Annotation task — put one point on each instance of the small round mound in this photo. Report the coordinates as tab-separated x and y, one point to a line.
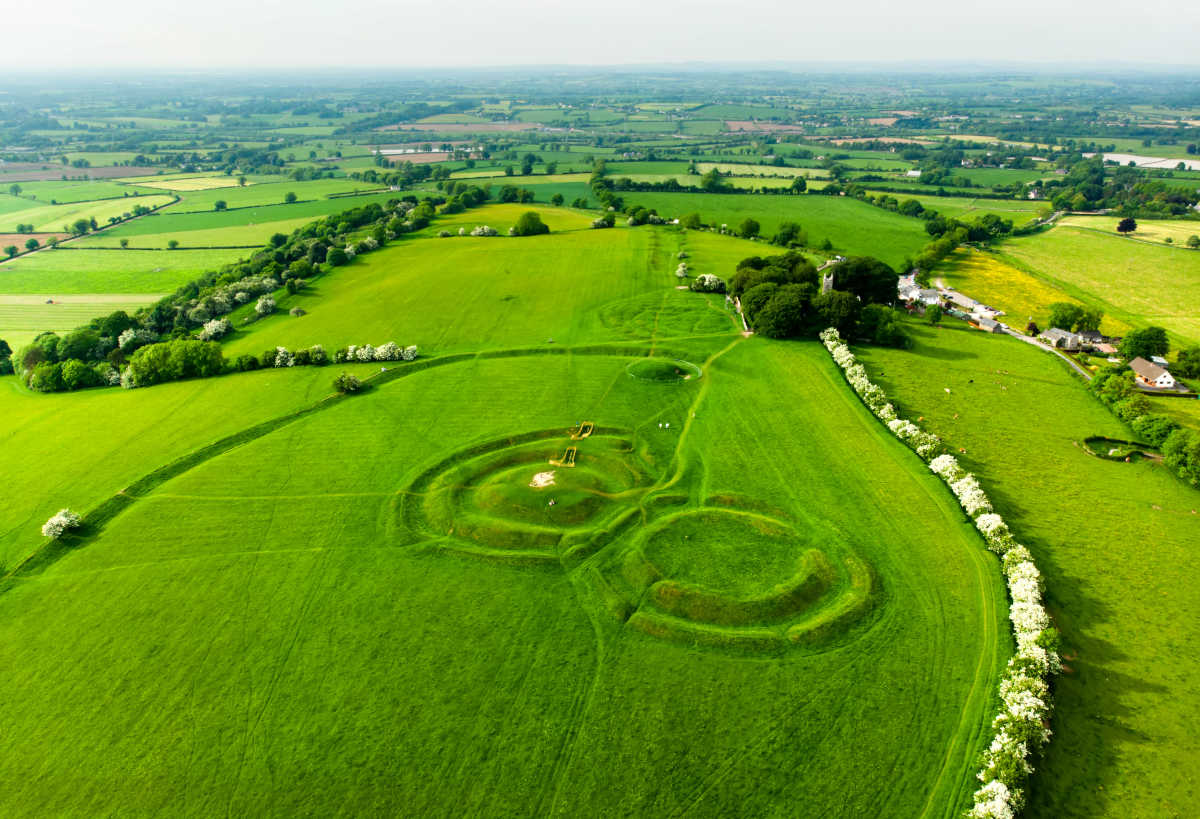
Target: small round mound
663	370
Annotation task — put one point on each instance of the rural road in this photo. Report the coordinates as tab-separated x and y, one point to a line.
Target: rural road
1087	376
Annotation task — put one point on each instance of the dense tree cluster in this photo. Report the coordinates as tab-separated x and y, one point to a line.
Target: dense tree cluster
1090	185
781	298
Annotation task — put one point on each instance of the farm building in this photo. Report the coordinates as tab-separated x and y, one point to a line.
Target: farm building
1151	375
1160	361
1062	339
986	324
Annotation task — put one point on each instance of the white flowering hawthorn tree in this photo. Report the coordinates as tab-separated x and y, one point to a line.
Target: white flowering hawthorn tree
60	523
1020	729
484	230
390	351
265	306
215	329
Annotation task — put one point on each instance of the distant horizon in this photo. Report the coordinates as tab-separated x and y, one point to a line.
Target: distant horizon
968	68
383	35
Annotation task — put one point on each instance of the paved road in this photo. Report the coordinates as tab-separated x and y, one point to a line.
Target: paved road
1087	376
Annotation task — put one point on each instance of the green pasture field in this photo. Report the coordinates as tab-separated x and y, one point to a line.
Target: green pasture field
999	176
71	269
517	304
618	168
545	115
680	630
739	112
877	162
747	169
971	208
454	118
306	130
98	159
1138	283
45	217
854	227
271	193
78	191
245	226
24	316
702	127
1115	542
251	234
1148	230
194	183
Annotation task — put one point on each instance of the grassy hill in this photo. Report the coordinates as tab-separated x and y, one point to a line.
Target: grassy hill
369	602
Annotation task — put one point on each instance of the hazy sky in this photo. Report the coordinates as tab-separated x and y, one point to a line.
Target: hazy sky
73	34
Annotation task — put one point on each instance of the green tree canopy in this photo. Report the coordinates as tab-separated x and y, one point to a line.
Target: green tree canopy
870	279
1146	342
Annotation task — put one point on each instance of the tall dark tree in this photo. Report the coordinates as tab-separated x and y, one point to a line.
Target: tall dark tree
868	278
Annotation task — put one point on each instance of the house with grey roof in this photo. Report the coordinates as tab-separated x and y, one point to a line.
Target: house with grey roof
1151	375
1061	339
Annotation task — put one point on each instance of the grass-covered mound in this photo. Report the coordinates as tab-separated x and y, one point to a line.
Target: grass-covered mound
663	370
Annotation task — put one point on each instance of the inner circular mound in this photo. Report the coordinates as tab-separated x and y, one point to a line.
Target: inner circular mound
663	370
575	495
736	555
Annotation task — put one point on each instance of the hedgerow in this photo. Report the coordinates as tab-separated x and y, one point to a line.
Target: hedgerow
1019	730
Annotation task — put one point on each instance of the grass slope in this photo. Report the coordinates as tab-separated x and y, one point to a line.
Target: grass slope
1115	542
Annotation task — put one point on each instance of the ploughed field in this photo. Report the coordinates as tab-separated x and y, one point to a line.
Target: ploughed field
595	552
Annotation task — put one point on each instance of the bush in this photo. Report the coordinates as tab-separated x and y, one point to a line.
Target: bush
347	383
61	523
265	306
77	375
215	329
47	377
882	326
530	224
174	360
1154	428
708	283
245	363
